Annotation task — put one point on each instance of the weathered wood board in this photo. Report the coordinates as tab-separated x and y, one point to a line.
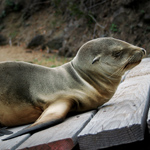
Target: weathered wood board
123	119
144	69
148	121
13	143
140	70
60	137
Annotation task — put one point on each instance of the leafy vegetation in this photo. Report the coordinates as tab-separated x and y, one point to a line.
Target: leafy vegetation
73	8
113	27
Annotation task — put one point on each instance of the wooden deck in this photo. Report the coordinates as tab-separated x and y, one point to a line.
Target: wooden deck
124	119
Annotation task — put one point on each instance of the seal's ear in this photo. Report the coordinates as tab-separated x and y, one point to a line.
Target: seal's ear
97	58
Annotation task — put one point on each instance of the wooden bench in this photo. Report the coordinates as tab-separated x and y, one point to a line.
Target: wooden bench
120	121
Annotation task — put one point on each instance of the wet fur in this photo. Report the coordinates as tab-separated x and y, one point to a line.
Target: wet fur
33	93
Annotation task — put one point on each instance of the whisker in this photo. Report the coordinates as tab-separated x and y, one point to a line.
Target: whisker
121	68
116	71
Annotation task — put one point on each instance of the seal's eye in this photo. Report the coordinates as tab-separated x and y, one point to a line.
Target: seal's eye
117	54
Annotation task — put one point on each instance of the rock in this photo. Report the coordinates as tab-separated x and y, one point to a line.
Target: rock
63	51
36	41
13	6
55	43
3	40
140	24
128	2
147	18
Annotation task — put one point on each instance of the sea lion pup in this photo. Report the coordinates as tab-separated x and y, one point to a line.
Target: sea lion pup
33	93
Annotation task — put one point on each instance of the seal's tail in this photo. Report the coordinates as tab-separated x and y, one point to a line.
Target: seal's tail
53	115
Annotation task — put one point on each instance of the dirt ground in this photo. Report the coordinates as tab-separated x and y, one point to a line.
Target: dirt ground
12	53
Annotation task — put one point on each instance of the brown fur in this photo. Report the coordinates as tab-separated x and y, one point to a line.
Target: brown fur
85	83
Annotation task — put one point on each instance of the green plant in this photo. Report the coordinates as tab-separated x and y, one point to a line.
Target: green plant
2	27
56	3
142	11
74	9
114	27
13	34
3	14
9	3
53	66
147	30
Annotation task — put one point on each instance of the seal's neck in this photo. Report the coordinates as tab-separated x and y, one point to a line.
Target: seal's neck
103	82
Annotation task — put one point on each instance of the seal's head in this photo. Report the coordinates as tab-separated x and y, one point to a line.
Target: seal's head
108	56
103	61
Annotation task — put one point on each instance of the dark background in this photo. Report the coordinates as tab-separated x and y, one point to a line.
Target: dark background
64	25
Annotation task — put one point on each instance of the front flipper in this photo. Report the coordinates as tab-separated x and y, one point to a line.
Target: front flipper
53	115
4	131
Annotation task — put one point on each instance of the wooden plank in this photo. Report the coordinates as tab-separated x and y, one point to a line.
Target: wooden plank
148	121
123	119
140	70
60	137
144	69
148	117
69	140
13	143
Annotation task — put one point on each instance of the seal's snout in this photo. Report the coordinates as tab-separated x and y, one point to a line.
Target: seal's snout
144	51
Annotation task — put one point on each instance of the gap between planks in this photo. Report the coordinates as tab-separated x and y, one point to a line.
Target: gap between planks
62	136
14	142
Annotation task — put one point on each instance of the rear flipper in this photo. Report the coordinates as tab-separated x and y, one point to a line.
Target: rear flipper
53	115
4	131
